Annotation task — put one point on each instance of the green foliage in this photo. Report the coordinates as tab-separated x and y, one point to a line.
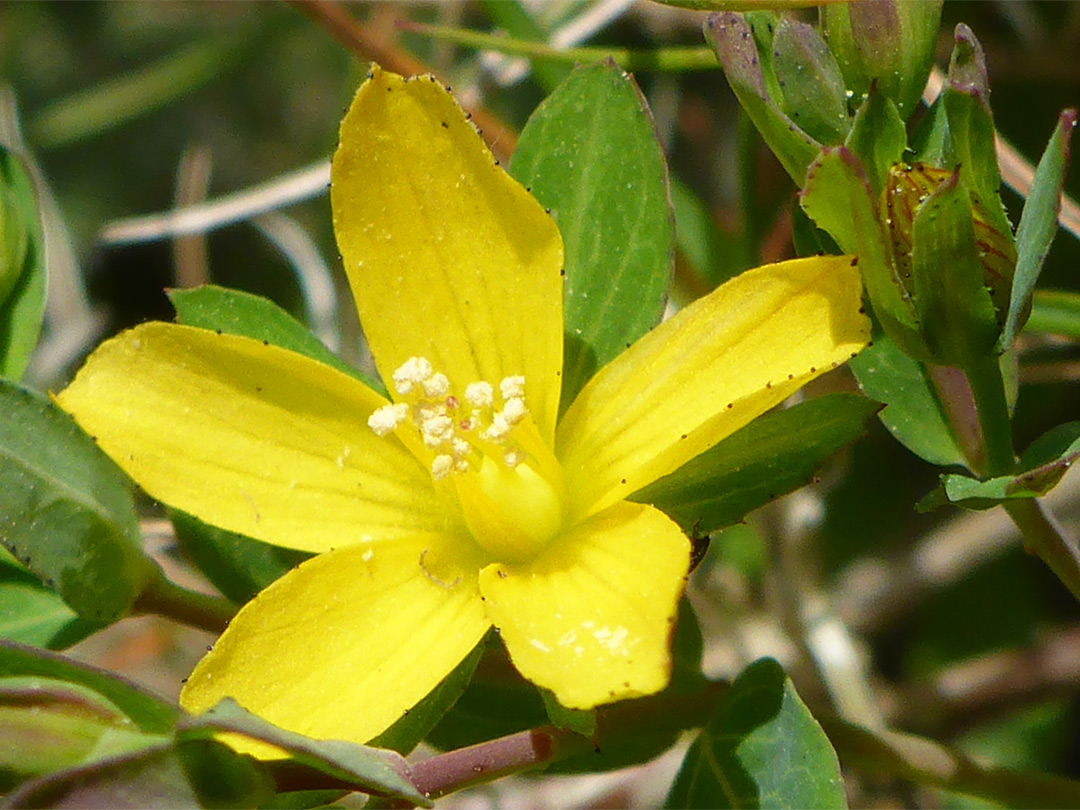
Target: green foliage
22	266
590	154
760	748
68	515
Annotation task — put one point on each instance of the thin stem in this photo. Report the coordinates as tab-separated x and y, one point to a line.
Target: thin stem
988	391
166	598
1046	538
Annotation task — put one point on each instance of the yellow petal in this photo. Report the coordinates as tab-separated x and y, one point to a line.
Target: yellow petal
448	257
343	645
706	372
251	438
591	619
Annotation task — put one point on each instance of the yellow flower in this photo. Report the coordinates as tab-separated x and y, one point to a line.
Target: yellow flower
464	502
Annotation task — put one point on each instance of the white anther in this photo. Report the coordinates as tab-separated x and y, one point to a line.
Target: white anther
385	419
512	387
425	413
512	458
436	386
441	467
461	448
498	429
411	373
514	410
437	430
480	394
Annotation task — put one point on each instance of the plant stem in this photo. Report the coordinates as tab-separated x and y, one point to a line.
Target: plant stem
1043	536
988	391
166	598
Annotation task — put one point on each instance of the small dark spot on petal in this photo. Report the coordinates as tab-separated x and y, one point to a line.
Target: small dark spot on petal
445	125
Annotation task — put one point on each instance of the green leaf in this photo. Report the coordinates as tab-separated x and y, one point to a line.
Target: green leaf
761	748
66	510
714	256
418	721
913	413
48	725
771	456
580	721
1044	464
729	35
235	312
957	314
236	565
22	267
1038	223
589	153
32	614
930	141
811	84
877	138
372	770
1056	312
150	713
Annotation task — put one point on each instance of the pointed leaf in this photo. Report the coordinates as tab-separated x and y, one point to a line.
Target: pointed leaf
1038	223
371	770
761	748
235	312
150	712
730	36
590	154
22	267
67	510
877	138
913	414
770	457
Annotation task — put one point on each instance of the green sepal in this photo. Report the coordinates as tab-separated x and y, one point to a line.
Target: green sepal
1038	225
810	82
957	314
579	721
838	198
773	455
761	748
730	37
890	43
877	138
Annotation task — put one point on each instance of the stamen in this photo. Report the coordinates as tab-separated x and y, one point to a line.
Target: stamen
436	386
514	410
387	418
441	467
512	387
412	372
480	394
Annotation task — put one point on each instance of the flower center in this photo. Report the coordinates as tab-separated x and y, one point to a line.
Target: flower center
486	445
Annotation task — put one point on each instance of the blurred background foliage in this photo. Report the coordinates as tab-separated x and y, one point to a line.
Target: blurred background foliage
132	107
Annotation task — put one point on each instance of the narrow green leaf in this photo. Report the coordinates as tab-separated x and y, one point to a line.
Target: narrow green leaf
1038	223
811	83
519	23
770	457
714	256
152	714
761	748
22	267
930	141
913	412
1056	312
729	35
372	770
235	312
590	154
236	565
1055	444
66	510
32	614
957	314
